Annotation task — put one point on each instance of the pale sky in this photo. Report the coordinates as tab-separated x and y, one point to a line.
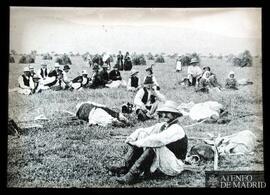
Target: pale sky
141	30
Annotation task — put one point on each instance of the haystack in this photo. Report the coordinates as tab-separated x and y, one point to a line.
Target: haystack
160	59
243	59
27	59
47	57
138	59
63	60
150	56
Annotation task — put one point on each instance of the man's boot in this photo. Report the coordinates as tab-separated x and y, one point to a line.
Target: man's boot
135	171
131	156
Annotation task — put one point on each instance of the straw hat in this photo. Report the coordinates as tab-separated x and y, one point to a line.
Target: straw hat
57	65
133	72
169	106
31	67
36	78
193	61
26	69
43	64
105	65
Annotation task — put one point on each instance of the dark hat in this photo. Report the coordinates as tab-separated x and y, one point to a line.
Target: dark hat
115	66
149	68
95	67
207	68
148	80
66	67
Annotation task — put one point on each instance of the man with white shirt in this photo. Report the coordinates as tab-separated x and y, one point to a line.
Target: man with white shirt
159	148
147	100
194	71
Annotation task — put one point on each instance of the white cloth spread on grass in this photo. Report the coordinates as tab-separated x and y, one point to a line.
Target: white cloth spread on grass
165	160
242	142
117	84
200	111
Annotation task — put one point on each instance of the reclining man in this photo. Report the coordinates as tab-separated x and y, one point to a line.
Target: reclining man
160	148
147	100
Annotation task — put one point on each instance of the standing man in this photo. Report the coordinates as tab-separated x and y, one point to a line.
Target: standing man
120	60
147	100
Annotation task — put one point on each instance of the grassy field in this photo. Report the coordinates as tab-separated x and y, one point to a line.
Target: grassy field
74	155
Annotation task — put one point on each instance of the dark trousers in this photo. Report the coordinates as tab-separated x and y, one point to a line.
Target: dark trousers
142	159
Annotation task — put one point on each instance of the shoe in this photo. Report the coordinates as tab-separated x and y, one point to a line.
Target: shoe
129	178
117	170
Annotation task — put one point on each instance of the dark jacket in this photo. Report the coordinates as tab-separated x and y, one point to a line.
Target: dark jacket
43	73
104	75
115	75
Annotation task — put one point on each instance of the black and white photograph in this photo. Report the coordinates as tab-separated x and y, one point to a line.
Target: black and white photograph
114	97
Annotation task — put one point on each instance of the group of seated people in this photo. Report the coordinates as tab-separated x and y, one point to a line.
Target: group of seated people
205	80
31	82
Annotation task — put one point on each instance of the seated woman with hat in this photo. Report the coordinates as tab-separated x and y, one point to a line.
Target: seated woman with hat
134	81
161	148
81	81
147	100
96	81
54	78
115	78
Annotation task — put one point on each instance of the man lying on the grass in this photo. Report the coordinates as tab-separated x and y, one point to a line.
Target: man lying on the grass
98	114
160	148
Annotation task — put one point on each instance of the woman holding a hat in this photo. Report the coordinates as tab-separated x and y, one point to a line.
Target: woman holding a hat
133	81
159	148
147	100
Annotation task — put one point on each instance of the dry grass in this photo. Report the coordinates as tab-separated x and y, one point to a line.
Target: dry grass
66	155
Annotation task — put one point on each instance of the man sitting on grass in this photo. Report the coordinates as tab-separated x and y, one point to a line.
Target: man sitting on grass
147	100
161	148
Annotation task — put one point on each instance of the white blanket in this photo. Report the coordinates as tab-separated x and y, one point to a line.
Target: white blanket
98	116
200	111
242	142
165	160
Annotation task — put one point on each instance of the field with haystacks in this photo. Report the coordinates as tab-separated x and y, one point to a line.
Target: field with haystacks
59	152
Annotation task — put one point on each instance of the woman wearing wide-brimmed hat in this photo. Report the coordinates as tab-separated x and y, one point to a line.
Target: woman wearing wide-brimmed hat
160	148
134	81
